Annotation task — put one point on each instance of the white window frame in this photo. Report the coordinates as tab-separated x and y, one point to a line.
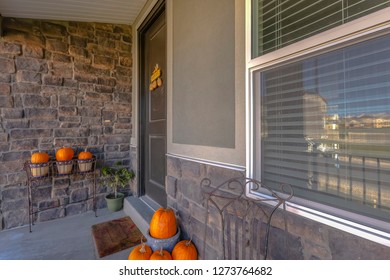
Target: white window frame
365	227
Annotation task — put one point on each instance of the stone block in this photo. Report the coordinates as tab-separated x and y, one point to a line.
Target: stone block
14	205
7	65
70	83
4	147
104	62
171	186
314	251
88	121
58	142
345	246
32	51
53	80
75	209
190	189
43	193
79	132
30	133
126	61
109	115
127	39
31	64
17	178
78	41
121	128
53	29
106	81
30	88
108	27
56	45
48	124
78	195
41	113
36	101
6	101
29	38
16	156
10	48
9	166
123	46
124	71
90	112
15	218
67	111
174	167
28	76
98	96
62	69
42	205
191	169
4	77
123	97
219	175
105	42
307	228
124	148
116	139
108	35
67	100
51	214
103	89
61	57
86	81
283	245
11	113
14	193
27	144
78	51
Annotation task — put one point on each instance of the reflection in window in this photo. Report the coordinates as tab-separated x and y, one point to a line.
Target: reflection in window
325	127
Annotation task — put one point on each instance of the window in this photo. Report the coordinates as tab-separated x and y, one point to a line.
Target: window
320	111
278	23
325	127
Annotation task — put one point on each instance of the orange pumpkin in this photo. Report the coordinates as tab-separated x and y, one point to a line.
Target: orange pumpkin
140	252
163	223
85	155
39	157
185	250
64	154
161	255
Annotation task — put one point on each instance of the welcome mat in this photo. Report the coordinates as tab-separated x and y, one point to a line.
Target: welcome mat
115	235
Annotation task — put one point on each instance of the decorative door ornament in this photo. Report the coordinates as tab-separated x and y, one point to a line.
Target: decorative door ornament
155	79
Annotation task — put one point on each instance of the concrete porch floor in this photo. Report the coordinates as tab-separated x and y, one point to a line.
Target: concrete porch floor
70	238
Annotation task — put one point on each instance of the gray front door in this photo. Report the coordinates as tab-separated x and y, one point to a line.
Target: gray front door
153	108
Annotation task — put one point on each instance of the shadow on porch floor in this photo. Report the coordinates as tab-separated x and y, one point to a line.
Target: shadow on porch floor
69	238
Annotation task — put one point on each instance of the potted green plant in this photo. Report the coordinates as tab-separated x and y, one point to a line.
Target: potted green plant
116	177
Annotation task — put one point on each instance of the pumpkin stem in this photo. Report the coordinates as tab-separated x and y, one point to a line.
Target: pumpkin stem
161	252
142	250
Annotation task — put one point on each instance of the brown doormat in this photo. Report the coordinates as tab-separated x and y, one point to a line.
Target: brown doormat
116	235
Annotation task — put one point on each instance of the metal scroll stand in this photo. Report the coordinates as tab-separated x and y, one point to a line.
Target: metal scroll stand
38	174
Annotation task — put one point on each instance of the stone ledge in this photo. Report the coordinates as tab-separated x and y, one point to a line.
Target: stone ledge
139	212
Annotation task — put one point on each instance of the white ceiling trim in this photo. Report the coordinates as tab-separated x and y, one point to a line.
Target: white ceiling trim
107	11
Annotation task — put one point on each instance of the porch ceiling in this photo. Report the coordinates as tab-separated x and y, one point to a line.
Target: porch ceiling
107	11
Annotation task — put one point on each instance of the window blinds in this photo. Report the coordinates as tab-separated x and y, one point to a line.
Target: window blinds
278	23
325	126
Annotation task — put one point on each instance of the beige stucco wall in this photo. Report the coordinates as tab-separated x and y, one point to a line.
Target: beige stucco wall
211	125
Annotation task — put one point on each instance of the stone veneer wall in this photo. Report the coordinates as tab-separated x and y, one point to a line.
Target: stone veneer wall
61	83
291	236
